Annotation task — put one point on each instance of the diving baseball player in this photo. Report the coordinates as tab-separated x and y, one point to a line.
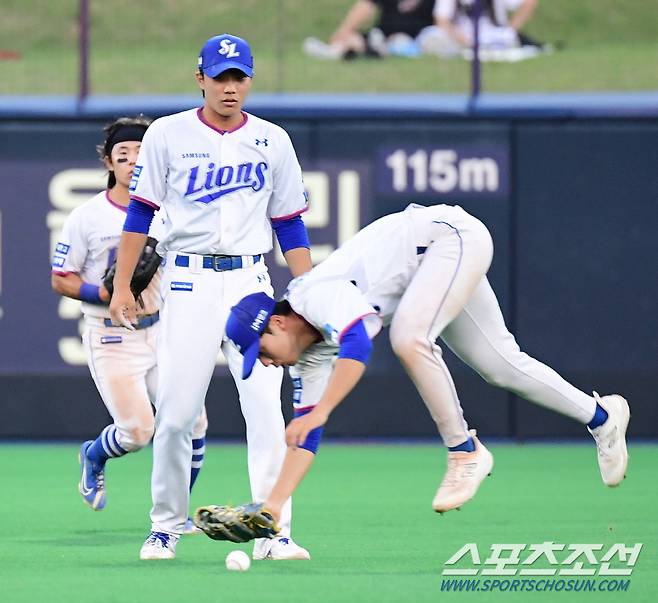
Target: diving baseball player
226	179
122	363
423	272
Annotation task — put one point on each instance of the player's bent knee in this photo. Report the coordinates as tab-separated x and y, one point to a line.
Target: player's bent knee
407	345
138	437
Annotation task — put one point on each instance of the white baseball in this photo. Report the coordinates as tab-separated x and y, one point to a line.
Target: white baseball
237	561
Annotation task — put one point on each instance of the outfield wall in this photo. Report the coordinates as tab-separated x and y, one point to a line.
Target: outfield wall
568	190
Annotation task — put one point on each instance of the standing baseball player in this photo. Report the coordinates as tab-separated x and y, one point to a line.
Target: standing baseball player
226	179
122	364
423	272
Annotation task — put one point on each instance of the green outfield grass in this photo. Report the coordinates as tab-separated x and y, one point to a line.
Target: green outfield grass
364	513
151	48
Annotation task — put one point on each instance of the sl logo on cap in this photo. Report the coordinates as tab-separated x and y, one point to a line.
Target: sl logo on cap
227	48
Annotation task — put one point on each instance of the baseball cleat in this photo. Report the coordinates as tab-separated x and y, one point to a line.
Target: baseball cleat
190	528
279	549
159	545
610	439
465	473
92	479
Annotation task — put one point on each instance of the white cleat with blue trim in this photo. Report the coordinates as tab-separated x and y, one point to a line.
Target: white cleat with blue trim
280	548
92	480
465	473
610	439
159	545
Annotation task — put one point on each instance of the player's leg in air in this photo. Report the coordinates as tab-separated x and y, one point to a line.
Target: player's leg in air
480	338
477	334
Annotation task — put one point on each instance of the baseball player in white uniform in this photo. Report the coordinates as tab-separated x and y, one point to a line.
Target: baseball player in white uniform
122	363
423	271
226	179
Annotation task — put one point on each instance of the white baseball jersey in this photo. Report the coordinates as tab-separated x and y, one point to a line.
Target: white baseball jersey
364	278
382	258
220	189
88	246
332	305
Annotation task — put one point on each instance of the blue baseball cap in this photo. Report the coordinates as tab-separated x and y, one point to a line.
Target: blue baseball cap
226	52
245	325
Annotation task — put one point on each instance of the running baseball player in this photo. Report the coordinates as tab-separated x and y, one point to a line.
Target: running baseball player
226	179
423	271
122	364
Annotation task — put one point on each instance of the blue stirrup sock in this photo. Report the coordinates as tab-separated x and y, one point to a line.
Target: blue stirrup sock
198	452
105	446
467	446
599	418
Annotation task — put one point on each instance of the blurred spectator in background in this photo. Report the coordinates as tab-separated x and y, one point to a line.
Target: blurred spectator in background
401	27
500	24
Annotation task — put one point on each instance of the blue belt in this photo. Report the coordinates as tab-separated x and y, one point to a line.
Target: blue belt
218	263
142	322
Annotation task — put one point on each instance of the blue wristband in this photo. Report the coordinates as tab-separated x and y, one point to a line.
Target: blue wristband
312	441
90	294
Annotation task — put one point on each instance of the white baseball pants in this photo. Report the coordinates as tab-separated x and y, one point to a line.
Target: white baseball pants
450	297
196	305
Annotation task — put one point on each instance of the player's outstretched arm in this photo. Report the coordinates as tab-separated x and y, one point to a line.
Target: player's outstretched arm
295	466
123	307
298	461
346	374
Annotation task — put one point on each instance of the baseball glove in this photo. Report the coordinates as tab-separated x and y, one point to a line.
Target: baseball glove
237	524
147	266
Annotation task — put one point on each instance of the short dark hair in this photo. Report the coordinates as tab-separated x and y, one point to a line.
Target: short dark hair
104	149
282	308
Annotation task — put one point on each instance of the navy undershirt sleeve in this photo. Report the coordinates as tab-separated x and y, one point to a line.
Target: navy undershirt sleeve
291	233
355	343
139	217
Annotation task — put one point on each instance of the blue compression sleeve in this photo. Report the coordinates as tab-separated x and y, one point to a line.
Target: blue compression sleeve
355	343
312	441
291	233
89	293
139	217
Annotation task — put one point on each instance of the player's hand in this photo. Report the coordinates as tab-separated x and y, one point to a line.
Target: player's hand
123	308
300	427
